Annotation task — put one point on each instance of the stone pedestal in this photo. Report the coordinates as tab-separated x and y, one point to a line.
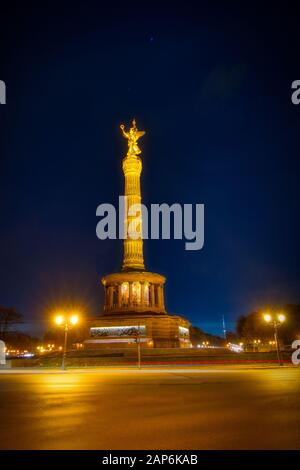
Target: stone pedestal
153	331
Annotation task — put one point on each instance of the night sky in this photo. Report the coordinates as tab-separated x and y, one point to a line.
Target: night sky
212	88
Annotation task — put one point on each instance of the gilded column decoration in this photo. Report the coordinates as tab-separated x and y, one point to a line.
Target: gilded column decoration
132	168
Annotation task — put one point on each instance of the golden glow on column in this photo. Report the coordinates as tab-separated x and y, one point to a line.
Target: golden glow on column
146	293
125	292
136	292
132	168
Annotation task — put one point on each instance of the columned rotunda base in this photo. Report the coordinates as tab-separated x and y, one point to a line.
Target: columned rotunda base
134	310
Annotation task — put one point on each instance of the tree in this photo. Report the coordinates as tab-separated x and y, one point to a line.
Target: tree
231	337
76	334
8	318
291	327
253	326
197	336
18	340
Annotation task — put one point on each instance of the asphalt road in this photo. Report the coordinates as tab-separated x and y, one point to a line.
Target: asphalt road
215	408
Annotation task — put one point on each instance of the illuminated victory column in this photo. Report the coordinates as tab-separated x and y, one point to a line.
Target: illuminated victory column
132	169
134	298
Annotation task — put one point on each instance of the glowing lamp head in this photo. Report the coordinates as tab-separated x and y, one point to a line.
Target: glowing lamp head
74	319
59	319
267	317
281	317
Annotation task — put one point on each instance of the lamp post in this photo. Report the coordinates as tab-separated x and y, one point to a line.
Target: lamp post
66	322
276	322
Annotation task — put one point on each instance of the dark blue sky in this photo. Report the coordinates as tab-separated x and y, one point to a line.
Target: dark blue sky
211	86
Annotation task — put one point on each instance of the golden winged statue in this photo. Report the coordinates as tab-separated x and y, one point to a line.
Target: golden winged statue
132	136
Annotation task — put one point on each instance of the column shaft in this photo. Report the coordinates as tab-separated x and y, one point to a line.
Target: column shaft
142	293
152	287
119	295
162	297
110	296
159	296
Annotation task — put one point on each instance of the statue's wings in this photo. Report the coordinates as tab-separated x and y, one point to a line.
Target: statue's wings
140	134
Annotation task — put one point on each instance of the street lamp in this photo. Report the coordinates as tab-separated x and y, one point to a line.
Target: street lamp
276	322
66	321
